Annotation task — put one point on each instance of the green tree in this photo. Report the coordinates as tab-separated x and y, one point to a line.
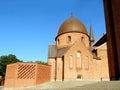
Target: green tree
5	60
39	61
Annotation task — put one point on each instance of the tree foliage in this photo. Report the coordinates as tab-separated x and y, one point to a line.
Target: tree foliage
39	61
5	60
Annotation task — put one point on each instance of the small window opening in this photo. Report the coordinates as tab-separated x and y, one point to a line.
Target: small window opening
58	42
78	54
79	77
82	39
69	39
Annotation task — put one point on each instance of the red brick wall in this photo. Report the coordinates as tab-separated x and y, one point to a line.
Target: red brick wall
26	74
102	53
43	73
10	75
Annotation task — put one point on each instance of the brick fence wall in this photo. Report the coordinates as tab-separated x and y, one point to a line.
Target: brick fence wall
26	74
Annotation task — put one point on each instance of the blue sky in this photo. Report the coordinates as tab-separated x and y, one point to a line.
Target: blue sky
27	27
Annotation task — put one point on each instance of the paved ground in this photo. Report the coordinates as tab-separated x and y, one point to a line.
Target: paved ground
1	87
75	85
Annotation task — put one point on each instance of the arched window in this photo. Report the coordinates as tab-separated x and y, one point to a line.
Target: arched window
82	39
78	54
58	42
86	62
68	39
79	61
71	62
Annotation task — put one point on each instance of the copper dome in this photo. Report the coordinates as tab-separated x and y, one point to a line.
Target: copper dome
72	25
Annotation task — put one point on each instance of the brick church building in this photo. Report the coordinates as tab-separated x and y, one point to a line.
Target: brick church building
75	54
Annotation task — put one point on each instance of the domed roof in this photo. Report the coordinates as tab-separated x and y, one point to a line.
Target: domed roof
72	25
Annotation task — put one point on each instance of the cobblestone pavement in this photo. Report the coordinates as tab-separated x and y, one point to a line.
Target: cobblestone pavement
75	85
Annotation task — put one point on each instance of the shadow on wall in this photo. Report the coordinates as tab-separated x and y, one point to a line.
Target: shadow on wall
1	81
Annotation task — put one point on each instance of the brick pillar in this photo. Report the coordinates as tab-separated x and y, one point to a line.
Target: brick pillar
51	61
59	69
